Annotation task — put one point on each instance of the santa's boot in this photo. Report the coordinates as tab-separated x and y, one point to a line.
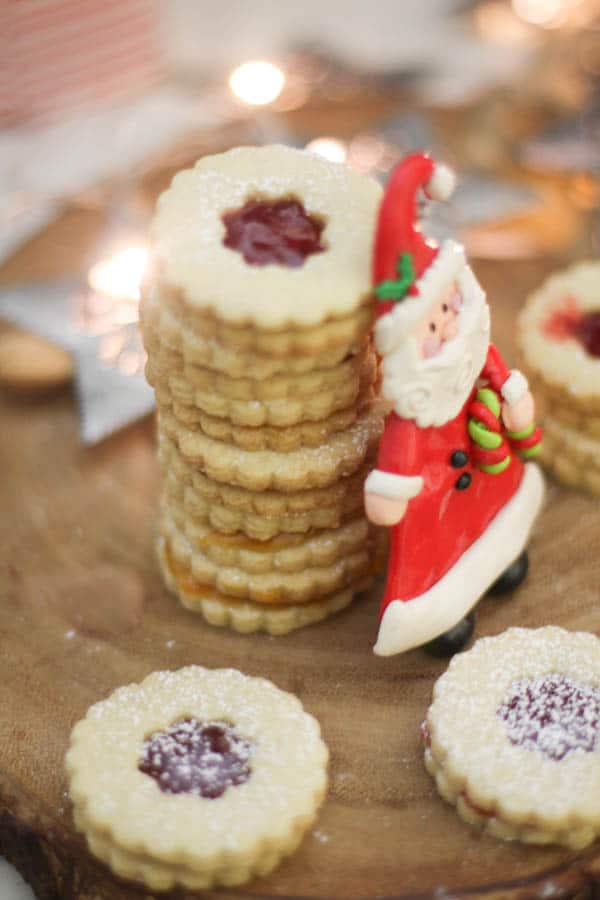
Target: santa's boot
512	576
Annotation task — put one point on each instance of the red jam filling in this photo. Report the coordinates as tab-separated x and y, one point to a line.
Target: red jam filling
279	232
192	757
552	715
568	321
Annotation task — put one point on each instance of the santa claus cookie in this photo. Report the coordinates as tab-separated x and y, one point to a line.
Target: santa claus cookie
512	737
196	778
450	476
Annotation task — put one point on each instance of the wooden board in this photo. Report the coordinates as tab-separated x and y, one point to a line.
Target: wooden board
83	610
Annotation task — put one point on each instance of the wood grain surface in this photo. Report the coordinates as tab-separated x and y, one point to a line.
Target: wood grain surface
83	610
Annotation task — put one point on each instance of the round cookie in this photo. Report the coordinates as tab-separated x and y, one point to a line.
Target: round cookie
308	467
284	553
274	586
267	437
31	366
163	334
559	334
572	456
189	234
513	736
246	617
196	778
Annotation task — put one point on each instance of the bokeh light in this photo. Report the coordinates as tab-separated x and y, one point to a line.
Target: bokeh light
257	83
329	148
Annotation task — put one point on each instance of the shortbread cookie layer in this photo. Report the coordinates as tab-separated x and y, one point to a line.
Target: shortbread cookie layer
284	553
325	397
196	778
513	736
340	494
281	440
309	467
189	232
245	617
164	335
548	328
270	587
572	456
230	521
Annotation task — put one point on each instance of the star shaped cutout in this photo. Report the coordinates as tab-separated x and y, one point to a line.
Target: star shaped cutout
102	335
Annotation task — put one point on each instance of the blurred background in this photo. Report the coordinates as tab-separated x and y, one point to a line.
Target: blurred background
101	101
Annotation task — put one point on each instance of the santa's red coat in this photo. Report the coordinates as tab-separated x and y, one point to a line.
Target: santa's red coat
446	517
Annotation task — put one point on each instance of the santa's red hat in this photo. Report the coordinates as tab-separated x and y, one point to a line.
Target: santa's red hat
410	273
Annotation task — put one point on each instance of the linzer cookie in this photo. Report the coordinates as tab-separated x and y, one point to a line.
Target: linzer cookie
246	617
559	335
196	778
256	317
513	736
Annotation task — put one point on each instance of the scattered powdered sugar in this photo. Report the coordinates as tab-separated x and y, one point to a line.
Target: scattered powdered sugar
70	634
169	644
202	758
553	715
321	836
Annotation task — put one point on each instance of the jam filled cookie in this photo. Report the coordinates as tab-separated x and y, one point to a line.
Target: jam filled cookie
512	737
196	778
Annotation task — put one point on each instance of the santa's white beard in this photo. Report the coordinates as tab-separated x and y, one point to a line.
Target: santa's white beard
432	391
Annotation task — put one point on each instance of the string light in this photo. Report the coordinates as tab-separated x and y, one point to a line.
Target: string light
329	148
120	276
257	83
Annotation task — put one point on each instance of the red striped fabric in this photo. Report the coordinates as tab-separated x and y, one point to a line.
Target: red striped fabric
59	55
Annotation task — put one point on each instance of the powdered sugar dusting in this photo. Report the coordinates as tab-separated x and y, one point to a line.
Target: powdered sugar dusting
197	758
552	715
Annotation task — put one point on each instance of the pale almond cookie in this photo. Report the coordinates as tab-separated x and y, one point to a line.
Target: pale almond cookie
278	412
163	334
555	327
309	467
183	379
31	366
572	456
340	494
196	778
513	736
190	256
231	521
245	617
274	586
268	437
283	553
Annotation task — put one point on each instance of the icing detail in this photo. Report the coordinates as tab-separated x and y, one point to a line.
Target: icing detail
397	487
408	624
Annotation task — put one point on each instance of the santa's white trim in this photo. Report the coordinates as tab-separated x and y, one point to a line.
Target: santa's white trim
442	183
431	286
411	623
515	387
392	486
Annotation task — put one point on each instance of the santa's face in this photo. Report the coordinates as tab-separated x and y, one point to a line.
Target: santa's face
429	374
440	324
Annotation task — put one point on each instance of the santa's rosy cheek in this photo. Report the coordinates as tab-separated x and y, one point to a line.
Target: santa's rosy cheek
431	346
456	301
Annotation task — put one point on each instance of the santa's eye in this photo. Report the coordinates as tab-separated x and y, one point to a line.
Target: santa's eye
445	307
432	326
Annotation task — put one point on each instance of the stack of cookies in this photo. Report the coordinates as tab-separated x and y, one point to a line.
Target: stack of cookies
559	336
256	320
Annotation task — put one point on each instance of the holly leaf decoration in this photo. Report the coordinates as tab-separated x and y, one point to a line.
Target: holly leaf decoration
396	288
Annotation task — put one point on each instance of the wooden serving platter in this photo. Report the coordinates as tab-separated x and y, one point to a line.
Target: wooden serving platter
83	610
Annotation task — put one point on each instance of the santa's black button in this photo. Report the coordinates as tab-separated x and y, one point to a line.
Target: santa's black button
459	459
463	482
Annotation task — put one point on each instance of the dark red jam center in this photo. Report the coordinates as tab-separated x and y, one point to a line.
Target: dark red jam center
568	321
280	232
192	757
552	715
